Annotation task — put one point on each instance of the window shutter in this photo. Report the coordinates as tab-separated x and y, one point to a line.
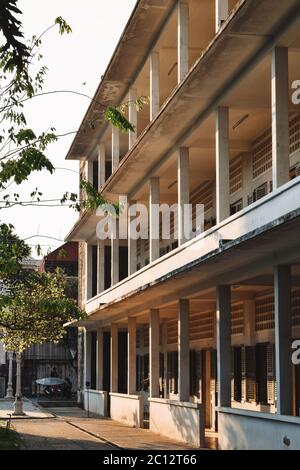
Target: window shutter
200	381
250	373
243	375
271	373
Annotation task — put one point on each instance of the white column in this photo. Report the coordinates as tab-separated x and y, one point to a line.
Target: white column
131	370
132	246
18	403
183	351
283	339
100	266
154	353
154	199
222	12
224	345
280	116
114	358
115	147
222	164
132	116
90	171
101	165
87	352
115	256
183	191
99	359
183	39
165	352
249	315
9	390
88	271
154	84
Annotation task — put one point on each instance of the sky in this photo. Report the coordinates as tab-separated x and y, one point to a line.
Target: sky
75	62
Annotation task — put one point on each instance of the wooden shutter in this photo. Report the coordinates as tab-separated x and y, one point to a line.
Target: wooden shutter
271	373
237	373
243	375
250	373
193	373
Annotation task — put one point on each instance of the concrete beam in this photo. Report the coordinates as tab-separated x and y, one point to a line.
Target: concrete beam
222	164
280	116
154	199
183	174
224	344
154	353
183	39
154	84
131	371
283	339
183	351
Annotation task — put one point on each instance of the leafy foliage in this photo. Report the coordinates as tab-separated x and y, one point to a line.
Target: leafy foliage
33	306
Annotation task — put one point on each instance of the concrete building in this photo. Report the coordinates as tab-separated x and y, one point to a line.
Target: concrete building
197	335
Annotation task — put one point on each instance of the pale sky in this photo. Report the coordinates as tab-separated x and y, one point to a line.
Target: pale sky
72	60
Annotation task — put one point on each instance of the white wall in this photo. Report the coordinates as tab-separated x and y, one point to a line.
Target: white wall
128	409
177	420
96	402
245	430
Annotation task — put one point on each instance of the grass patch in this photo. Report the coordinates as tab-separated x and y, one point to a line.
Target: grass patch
9	439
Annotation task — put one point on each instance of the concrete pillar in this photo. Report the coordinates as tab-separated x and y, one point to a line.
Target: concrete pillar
249	319
222	12
115	148
90	172
88	271
224	344
283	339
183	170
183	351
183	39
222	164
132	116
100	266
114	339
165	353
280	116
154	84
154	353
9	390
132	246
115	255
87	353
18	403
131	377
101	165
154	200
99	359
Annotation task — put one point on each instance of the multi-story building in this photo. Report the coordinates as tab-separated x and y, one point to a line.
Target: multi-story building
199	333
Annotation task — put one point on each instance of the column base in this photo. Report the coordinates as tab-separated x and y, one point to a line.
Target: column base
18	407
9	394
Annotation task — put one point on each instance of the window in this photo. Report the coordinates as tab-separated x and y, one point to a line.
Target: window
236	207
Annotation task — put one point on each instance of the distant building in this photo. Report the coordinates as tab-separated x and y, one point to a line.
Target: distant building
41	360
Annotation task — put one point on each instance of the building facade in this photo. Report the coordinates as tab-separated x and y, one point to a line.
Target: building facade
198	336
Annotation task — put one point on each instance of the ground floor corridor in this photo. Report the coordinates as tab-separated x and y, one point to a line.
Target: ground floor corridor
72	429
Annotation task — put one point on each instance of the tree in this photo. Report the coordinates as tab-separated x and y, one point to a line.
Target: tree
22	151
33	306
